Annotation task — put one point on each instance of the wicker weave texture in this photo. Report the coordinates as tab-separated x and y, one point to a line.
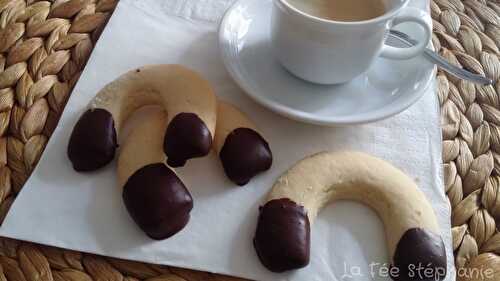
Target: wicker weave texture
467	34
44	46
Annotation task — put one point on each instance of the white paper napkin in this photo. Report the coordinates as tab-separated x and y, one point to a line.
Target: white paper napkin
85	212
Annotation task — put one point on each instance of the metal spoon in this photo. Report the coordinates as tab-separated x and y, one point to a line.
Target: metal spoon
400	39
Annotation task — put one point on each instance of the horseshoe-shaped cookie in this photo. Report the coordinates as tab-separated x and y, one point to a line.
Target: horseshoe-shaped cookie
282	238
185	95
154	196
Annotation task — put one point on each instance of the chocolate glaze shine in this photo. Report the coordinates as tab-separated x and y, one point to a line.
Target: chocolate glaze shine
420	248
186	137
282	239
245	153
157	201
92	143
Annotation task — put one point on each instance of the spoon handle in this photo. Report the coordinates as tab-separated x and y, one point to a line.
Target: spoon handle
395	35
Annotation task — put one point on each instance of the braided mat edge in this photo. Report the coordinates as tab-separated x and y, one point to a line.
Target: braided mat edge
44	46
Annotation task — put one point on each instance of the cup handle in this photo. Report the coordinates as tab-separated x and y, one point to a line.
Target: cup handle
415	15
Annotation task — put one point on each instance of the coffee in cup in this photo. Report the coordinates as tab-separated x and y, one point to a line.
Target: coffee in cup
341	10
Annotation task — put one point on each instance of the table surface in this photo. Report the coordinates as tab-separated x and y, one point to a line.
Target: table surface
43	49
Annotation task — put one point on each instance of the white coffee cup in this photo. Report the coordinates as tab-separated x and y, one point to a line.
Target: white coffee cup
330	52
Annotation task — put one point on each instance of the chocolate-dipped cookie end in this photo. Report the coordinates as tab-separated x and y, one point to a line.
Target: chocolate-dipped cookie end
245	153
420	255
282	239
157	201
165	229
186	137
92	143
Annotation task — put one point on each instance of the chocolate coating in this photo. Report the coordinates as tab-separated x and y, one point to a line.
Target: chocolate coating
420	255
245	153
186	137
282	239
93	142
157	201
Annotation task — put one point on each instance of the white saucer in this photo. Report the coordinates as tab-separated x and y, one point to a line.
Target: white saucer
387	88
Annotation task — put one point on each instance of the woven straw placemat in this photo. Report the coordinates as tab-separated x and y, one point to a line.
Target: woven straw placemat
44	46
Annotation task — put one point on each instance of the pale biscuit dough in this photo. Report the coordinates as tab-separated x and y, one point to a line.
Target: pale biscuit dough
228	119
176	87
143	146
329	176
